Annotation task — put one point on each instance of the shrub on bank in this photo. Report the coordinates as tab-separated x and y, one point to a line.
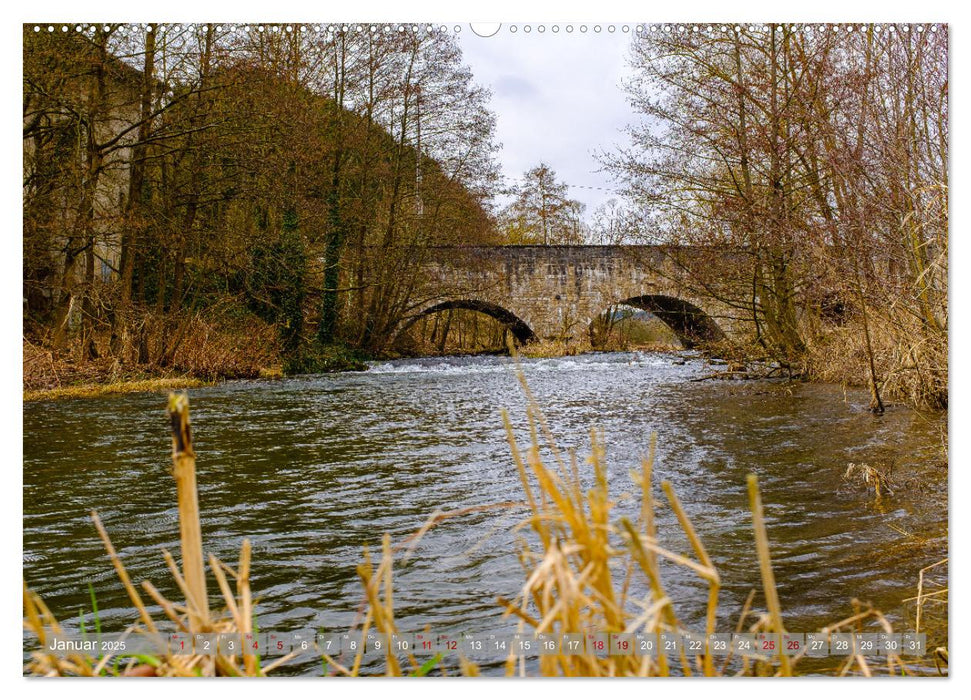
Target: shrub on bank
555	348
909	368
221	342
327	358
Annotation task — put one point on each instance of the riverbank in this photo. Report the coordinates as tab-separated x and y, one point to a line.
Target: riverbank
48	375
88	391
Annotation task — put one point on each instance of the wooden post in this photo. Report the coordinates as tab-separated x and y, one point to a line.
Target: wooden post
184	471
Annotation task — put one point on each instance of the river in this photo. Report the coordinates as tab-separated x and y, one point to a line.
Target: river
313	468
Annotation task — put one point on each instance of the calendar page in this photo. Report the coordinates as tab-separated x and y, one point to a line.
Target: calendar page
379	342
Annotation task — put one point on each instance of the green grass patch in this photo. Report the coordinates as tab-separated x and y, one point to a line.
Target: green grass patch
88	391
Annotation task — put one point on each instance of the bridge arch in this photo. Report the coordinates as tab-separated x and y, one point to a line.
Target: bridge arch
519	328
689	323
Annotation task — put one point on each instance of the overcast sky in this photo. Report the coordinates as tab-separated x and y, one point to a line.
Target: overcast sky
558	99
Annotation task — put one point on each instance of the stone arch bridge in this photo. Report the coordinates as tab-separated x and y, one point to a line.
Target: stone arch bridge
556	292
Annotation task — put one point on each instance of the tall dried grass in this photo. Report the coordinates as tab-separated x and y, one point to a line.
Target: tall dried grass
911	364
556	348
219	346
221	342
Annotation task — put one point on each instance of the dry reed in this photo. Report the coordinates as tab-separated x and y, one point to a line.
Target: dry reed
193	616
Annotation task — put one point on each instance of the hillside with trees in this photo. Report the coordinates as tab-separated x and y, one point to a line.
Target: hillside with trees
218	200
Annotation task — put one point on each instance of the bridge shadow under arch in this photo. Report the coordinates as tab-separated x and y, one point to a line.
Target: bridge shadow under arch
519	328
689	323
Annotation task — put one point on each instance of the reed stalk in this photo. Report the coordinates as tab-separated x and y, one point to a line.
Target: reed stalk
184	471
765	567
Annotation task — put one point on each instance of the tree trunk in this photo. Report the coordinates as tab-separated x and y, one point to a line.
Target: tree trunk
137	199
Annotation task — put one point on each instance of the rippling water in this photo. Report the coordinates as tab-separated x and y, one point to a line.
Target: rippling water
314	468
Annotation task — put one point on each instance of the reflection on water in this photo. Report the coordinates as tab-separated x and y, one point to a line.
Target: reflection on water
314	468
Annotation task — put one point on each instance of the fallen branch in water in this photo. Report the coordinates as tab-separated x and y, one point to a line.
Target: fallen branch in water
730	374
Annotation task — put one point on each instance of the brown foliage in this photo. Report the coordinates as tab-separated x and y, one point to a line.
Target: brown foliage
820	153
212	344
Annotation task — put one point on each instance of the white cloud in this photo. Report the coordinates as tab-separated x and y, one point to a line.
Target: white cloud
558	98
